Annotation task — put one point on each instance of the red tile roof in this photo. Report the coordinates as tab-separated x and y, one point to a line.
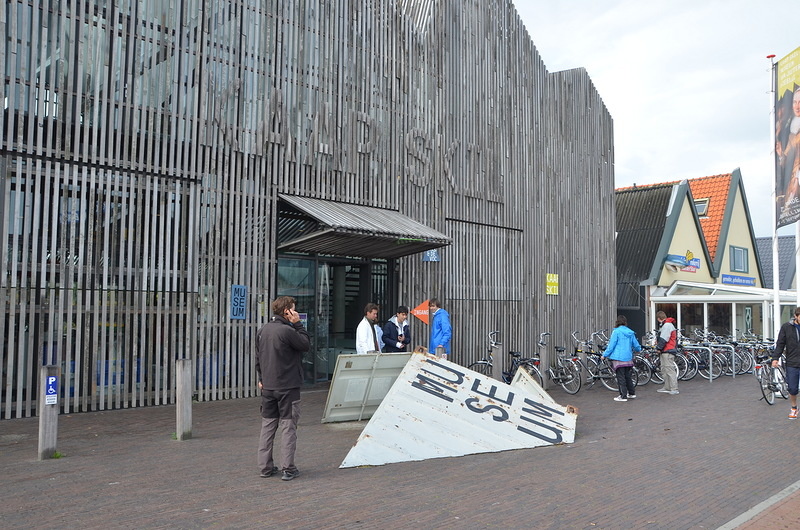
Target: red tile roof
715	188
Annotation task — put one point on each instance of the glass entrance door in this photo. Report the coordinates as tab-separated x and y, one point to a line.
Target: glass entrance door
297	278
331	294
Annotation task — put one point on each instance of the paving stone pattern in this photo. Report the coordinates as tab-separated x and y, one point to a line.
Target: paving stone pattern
695	460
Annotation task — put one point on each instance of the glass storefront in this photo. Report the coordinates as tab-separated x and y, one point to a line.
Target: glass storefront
743	312
297	278
331	294
719	319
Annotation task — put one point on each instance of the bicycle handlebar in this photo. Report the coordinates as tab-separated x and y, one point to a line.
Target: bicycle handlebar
542	341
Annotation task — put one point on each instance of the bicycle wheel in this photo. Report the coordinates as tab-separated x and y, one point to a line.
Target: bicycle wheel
482	367
683	366
608	377
720	365
691	363
509	375
655	373
731	362
635	376
766	385
645	372
744	362
569	376
593	371
710	366
534	372
779	379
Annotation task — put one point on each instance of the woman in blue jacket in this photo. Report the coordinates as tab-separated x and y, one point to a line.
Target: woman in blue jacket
620	350
441	330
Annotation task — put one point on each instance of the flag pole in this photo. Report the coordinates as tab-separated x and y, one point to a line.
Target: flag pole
776	293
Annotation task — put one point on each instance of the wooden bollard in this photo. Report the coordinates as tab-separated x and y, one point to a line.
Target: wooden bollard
183	397
47	408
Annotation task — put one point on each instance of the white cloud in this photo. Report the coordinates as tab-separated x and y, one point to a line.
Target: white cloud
687	82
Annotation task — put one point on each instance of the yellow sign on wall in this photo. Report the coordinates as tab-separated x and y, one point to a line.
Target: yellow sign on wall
552	284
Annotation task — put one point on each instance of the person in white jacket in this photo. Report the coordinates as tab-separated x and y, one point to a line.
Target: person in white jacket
369	335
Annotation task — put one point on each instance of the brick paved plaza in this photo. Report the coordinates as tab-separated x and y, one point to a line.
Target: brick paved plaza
700	459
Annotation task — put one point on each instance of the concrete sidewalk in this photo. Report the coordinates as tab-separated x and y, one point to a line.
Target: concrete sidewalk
700	459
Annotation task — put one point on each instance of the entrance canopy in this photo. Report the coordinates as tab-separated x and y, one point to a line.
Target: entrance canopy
335	228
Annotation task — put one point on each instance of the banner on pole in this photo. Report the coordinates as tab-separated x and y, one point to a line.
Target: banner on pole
787	139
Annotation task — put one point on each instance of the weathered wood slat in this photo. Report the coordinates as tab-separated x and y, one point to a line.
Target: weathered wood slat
145	143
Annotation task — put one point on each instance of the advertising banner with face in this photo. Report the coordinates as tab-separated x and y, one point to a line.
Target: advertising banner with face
787	139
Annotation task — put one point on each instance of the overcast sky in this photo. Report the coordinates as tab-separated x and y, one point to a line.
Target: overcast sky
687	82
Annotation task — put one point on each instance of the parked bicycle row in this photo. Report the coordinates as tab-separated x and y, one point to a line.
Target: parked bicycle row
621	363
585	366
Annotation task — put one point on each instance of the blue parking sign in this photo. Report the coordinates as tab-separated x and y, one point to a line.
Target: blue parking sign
51	390
52	385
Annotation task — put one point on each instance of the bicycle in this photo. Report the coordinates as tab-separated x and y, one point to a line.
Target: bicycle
643	369
595	371
771	380
597	368
529	364
710	364
564	372
652	358
485	365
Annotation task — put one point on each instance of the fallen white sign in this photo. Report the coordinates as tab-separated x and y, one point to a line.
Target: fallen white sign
438	409
359	384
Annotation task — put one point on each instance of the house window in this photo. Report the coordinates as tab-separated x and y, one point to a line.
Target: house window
739	259
701	206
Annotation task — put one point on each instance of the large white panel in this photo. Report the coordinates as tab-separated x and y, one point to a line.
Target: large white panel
437	409
360	383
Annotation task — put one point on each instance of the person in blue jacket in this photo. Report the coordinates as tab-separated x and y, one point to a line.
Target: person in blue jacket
620	350
441	331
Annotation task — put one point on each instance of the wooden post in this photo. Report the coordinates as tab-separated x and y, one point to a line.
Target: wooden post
48	411
183	408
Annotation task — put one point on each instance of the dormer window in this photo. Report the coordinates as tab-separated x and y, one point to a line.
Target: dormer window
701	206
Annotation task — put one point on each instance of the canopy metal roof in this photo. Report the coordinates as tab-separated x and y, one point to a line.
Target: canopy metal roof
339	229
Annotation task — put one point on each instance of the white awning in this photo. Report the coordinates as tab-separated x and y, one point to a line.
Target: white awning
682	291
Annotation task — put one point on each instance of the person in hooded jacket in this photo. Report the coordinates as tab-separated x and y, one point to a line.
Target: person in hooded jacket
621	346
396	334
441	329
666	345
788	342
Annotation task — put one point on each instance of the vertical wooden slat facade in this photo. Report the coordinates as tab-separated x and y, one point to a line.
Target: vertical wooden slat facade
145	142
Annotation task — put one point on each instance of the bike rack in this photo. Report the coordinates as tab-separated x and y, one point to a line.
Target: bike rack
733	356
710	357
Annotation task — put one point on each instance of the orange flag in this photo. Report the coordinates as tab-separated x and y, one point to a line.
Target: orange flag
421	312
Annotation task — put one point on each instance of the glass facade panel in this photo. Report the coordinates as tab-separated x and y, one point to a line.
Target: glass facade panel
691	319
749	320
671	310
297	278
719	319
